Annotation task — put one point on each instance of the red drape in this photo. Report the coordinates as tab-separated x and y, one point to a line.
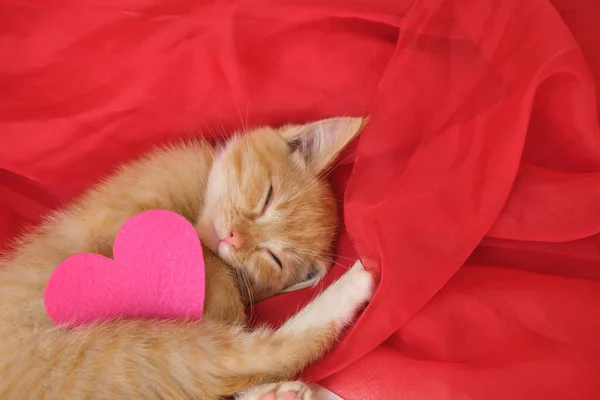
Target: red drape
474	192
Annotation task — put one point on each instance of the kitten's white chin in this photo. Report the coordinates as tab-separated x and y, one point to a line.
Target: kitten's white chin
224	251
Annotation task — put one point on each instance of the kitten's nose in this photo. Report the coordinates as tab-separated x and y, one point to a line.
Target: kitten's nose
233	239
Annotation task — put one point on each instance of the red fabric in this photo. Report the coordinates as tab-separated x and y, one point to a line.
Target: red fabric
474	191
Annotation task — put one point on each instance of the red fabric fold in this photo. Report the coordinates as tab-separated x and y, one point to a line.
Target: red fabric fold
474	192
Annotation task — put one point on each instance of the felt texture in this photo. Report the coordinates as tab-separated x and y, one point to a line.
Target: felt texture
474	191
157	272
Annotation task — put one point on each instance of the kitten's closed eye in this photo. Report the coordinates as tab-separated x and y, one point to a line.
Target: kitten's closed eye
267	200
276	259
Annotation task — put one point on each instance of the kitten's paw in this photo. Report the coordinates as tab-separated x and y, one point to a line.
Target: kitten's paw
356	285
293	390
347	295
338	304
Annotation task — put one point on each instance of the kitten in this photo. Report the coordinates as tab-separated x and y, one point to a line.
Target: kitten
261	204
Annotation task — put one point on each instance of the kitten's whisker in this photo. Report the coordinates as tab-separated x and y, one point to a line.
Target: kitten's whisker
307	189
339	256
245	281
327	256
337	164
237	107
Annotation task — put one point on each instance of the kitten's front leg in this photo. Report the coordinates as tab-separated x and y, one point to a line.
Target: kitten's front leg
223	300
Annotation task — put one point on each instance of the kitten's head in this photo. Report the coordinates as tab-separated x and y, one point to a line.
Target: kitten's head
268	209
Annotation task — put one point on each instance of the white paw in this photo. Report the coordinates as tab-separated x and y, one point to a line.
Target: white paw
350	292
360	281
293	390
337	304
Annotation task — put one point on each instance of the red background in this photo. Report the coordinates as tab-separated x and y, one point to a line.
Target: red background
474	192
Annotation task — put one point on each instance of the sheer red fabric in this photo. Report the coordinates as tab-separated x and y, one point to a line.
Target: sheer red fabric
474	192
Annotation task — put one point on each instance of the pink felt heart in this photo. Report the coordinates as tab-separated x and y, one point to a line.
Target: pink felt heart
157	272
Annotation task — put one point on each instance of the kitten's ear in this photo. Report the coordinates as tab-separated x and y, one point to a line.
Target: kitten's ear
320	142
317	273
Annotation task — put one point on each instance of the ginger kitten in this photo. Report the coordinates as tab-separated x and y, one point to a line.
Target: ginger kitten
261	204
